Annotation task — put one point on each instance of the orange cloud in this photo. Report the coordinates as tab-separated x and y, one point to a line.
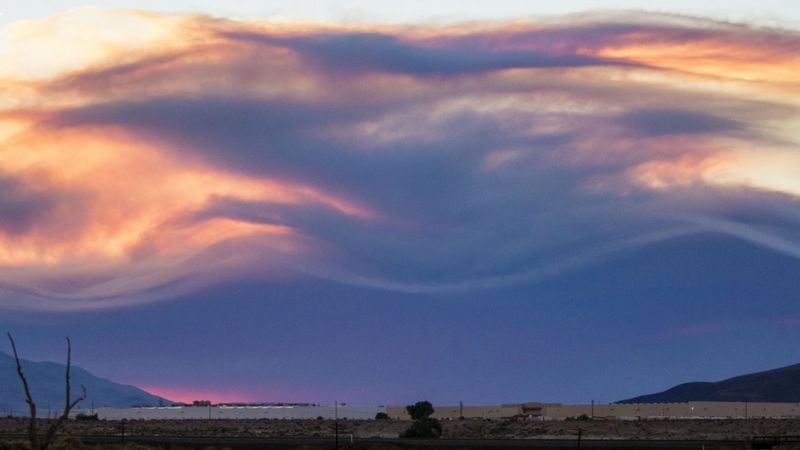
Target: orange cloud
683	172
126	202
132	190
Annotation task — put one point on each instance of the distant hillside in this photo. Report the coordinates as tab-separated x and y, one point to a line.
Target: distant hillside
47	387
777	385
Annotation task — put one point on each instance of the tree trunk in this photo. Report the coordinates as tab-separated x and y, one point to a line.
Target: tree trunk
33	434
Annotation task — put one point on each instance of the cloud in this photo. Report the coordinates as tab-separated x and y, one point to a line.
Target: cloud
787	243
418	159
655	122
357	52
21	207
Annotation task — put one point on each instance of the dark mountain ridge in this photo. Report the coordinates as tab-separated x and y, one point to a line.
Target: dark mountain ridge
46	380
776	385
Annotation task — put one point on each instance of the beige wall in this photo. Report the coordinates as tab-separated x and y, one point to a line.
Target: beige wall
619	411
683	410
454	412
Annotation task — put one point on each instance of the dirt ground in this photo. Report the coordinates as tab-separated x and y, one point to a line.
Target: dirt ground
456	429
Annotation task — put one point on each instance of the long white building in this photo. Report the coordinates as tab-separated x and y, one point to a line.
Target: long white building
240	412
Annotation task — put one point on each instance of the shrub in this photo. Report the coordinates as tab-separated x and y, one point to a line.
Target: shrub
424	428
581	418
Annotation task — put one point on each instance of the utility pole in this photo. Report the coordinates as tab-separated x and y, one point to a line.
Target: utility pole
461	410
336	423
592	408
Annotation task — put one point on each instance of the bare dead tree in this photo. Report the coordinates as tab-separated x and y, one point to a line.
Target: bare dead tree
69	405
33	435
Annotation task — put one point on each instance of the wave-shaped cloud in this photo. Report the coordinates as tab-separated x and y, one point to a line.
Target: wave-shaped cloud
151	154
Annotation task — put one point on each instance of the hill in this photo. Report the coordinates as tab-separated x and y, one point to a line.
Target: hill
777	385
46	380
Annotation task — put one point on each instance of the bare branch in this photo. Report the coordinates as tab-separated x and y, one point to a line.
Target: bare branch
32	432
68	405
80	398
69	366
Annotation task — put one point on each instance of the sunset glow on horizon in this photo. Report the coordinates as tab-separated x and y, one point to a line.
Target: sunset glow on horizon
188	395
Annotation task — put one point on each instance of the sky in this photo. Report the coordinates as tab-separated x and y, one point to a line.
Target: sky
416	11
372	205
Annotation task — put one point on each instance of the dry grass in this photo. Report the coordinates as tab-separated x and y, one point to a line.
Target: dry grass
471	428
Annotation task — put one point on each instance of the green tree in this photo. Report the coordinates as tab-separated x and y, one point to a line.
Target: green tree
424	425
420	410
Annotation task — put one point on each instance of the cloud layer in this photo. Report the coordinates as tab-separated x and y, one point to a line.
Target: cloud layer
168	151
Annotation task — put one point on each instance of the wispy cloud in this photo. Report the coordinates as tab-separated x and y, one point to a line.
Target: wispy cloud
377	52
172	151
